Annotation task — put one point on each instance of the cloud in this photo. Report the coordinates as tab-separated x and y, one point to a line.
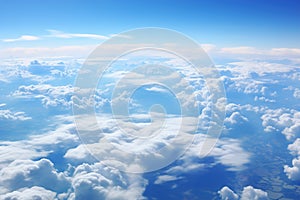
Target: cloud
248	193
51	96
38	146
22	38
297	93
60	34
20	175
227	152
235	118
293	172
285	120
57	34
34	192
165	178
251	193
227	194
295	147
28	173
97	181
9	115
231	154
72	51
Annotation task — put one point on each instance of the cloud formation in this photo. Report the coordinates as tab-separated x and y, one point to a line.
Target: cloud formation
22	38
248	193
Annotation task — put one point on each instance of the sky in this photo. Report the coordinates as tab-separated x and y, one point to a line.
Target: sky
51	147
228	23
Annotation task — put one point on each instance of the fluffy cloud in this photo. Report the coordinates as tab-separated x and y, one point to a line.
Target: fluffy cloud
295	147
49	95
251	193
294	171
38	146
99	182
248	193
285	120
9	115
227	194
34	192
28	173
235	118
297	93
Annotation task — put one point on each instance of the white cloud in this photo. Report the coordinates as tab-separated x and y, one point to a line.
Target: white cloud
38	146
34	192
99	182
50	95
235	118
293	172
297	93
165	178
72	51
230	153
79	153
9	115
227	152
248	193
285	120
227	194
22	38
254	194
244	68
60	34
156	89
295	147
28	173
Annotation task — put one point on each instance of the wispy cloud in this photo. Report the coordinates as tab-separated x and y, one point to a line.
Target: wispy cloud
57	34
60	34
22	38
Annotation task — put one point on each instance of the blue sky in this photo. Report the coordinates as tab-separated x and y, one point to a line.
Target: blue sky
263	24
45	151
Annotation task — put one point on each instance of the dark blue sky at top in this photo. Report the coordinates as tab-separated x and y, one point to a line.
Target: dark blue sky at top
259	23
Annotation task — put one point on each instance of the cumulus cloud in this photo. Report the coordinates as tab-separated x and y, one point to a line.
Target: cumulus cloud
10	115
28	173
294	171
34	192
297	93
235	118
248	193
251	193
51	96
285	120
99	182
227	194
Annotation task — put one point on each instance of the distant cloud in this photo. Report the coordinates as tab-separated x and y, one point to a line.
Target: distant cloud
60	34
22	38
57	34
166	178
9	115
